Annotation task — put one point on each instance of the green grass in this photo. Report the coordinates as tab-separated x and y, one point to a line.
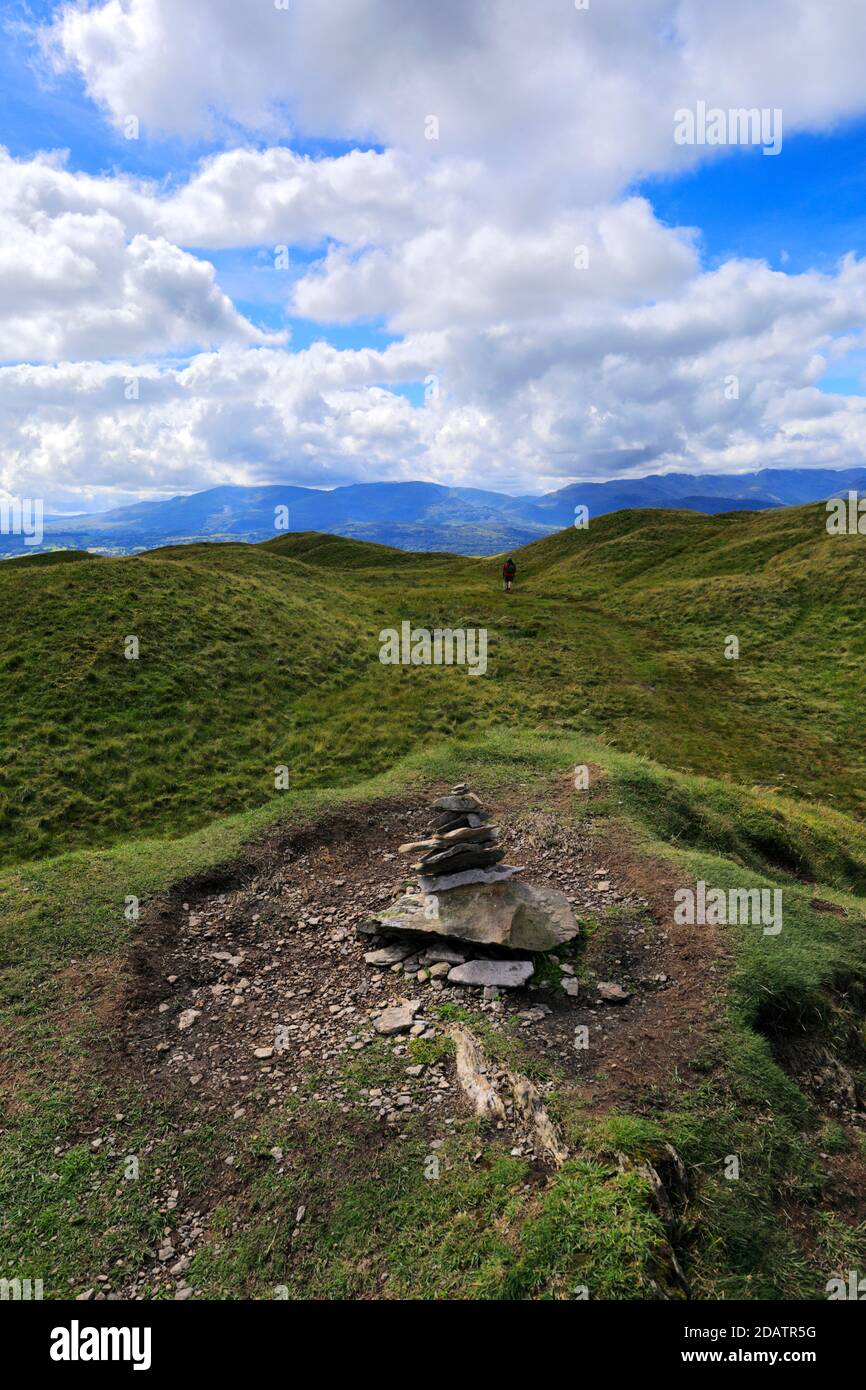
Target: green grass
254	657
122	778
72	1215
388	1227
378	1227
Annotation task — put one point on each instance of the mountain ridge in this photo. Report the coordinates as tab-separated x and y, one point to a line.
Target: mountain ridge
416	515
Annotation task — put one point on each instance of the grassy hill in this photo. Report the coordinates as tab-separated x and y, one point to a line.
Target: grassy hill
252	657
153	780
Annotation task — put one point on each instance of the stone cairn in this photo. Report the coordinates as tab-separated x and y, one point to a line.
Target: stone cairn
465	892
463	847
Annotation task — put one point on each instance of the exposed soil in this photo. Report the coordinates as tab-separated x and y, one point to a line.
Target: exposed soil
829	1079
271	957
246	989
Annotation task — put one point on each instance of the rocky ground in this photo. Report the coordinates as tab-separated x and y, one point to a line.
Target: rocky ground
246	991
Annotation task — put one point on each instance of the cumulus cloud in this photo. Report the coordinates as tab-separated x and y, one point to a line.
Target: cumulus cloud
585	95
236	415
565	330
467	272
240	197
76	281
613	393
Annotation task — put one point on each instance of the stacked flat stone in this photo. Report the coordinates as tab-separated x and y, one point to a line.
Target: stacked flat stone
465	894
462	847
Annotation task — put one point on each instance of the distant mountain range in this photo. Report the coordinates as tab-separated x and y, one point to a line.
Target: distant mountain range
424	516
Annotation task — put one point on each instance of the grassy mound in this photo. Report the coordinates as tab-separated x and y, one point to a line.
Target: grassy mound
485	1230
253	657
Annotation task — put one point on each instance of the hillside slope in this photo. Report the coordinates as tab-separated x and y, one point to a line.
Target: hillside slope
346	1165
152	946
253	657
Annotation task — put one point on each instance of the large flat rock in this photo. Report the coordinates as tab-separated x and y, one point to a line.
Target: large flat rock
503	974
511	914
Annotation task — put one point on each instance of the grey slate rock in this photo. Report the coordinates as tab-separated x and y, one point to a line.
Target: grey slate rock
500	974
398	1019
510	914
389	955
459	805
457	857
443	882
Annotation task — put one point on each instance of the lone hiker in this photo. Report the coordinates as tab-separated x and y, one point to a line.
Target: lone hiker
509	569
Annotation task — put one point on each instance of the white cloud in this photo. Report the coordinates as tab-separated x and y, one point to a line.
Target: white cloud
464	246
75	282
244	196
532	90
480	273
604	394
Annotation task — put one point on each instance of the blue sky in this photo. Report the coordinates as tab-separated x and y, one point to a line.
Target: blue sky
40	112
802	209
799	212
448	263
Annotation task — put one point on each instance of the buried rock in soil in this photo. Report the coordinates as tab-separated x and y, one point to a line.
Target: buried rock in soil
498	974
